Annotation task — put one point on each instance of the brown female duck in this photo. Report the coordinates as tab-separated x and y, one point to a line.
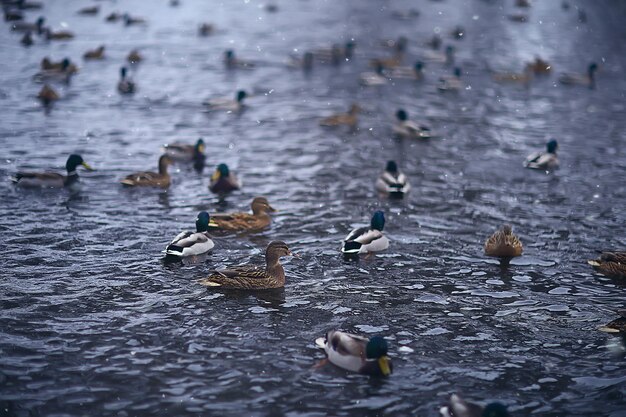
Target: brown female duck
258	220
47	95
503	244
151	179
248	277
612	264
349	119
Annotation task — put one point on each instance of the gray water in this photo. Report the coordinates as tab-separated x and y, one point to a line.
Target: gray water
94	323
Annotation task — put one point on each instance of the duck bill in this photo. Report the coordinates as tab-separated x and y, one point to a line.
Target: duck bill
87	167
295	255
383	363
272	209
201	148
215	176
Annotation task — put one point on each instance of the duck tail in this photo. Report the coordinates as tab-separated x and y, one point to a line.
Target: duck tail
174	250
320	342
350	247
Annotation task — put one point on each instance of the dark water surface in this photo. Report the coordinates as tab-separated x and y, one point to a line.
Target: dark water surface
93	323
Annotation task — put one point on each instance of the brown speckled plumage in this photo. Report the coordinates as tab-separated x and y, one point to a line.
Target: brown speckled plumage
503	243
258	220
612	264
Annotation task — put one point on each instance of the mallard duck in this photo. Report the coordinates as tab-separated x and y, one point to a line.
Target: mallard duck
93	10
503	244
12	15
522	3
65	65
47	95
366	239
36	27
151	179
97	53
524	78
544	160
125	85
134	57
130	20
227	104
416	72
458	407
616	326
403	127
51	179
409	14
223	180
183	152
27	39
113	17
612	264
192	244
373	78
206	29
56	71
335	54
349	119
518	17
357	353
305	62
29	5
588	79
60	35
447	57
249	277
452	82
392	183
232	62
540	67
258	220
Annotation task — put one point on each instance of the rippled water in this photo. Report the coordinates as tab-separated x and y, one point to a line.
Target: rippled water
93	323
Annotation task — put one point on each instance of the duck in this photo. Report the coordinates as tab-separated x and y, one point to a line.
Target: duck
612	264
223	180
192	243
446	57
409	14
97	53
52	71
349	119
61	35
305	62
503	243
357	353
258	220
392	183
227	104
206	29
518	17
113	17
434	42
12	15
36	27
130	20
90	11
458	407
588	79
398	46
183	152
252	277
232	62
416	72
29	5
27	39
616	326
540	66
125	85
403	127
47	95
150	179
452	82
65	65
367	239
524	78
336	53
544	160
52	179
373	78
522	3
134	57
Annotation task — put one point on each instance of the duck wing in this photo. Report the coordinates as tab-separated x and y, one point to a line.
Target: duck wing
190	243
240	277
39	179
146	178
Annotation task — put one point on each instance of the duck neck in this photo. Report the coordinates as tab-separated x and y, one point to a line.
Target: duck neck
162	167
72	177
275	269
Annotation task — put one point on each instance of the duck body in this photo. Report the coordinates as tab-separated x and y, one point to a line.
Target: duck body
451	82
366	239
94	54
414	73
61	35
192	243
89	11
125	85
503	244
544	160
47	95
150	179
586	80
231	62
616	326
223	181
392	183
403	127
356	353
258	220
373	78
458	407
52	179
55	71
134	57
248	277
612	264
36	27
348	119
335	54
185	153
227	104
523	78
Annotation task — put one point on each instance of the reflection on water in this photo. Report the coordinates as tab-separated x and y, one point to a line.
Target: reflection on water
92	319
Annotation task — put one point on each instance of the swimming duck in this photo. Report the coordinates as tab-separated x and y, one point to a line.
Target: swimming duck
349	119
47	95
223	180
336	54
27	39
52	71
616	326
12	15
206	29
64	65
452	82
524	78
540	67
409	14
357	353
227	104
97	53
258	220
587	79
29	5
518	17
373	78
249	277
415	73
125	85
366	239
36	27
392	183
129	20
93	10
134	57
182	152
51	179
192	244
305	62
113	17
232	62
151	179
61	35
544	160
406	128
458	407
447	57
503	244
522	3
612	264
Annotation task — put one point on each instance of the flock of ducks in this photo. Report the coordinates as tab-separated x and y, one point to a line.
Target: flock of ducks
351	352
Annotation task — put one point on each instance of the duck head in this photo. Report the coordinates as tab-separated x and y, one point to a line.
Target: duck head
65	64
275	250
123	72
392	167
240	96
221	171
401	115
349	49
457	72
74	161
261	205
378	221
419	66
164	162
376	349
202	222
39	24
552	146
199	148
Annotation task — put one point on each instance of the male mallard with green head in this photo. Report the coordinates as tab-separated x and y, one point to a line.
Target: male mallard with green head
357	353
192	243
458	407
51	179
223	180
